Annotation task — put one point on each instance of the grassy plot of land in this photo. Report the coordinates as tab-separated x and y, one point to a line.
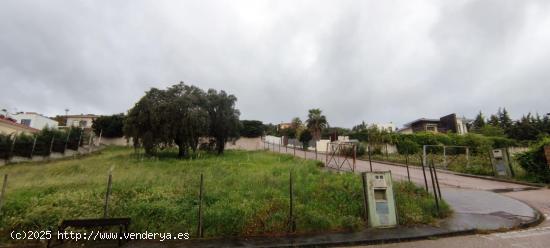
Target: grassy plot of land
246	193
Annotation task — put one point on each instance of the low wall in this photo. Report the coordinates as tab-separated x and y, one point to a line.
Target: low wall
122	141
243	143
273	139
53	156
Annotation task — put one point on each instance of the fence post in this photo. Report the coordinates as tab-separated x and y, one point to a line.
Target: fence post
433	185
294	147
67	140
107	194
12	147
33	146
79	139
407	164
444	157
51	147
315	151
3	192
424	167
437	184
90	144
99	139
370	160
365	198
199	227
291	213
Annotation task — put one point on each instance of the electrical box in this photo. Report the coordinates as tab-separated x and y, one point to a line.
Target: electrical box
500	162
380	199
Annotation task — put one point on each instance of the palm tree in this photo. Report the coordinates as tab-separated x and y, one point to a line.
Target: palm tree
316	122
296	122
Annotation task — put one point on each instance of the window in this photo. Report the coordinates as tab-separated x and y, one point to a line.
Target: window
82	123
431	127
26	122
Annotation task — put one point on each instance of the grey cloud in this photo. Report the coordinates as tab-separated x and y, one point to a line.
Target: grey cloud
377	61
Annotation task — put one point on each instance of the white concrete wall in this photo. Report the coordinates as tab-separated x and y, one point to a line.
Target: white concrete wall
244	143
322	145
274	139
37	121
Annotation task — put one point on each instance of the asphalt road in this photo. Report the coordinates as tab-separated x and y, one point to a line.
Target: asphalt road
539	199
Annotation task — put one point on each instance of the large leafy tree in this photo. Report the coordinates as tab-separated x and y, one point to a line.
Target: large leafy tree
110	126
251	128
223	116
181	115
316	122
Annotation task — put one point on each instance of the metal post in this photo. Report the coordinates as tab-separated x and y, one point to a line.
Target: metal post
424	167
51	146
354	156
90	144
467	157
79	139
100	135
3	192
12	146
407	164
199	228
444	157
315	151
433	186
67	140
437	183
365	199
33	145
291	212
370	161
326	155
294	146
107	194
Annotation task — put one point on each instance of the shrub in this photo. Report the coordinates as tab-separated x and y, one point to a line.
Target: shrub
251	129
534	162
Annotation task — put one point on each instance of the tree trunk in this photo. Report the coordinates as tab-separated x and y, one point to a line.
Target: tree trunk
181	151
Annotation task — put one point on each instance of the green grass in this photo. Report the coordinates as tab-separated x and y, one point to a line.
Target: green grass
246	194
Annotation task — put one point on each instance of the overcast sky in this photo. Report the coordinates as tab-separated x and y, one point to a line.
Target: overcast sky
378	61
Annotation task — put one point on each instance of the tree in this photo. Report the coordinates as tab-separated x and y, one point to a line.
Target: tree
479	122
316	122
110	126
493	121
224	117
251	129
504	119
181	115
296	123
305	137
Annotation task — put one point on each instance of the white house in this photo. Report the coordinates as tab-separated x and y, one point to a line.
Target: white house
82	120
34	120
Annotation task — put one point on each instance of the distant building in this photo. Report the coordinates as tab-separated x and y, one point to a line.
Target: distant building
34	120
284	126
10	126
82	121
448	123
